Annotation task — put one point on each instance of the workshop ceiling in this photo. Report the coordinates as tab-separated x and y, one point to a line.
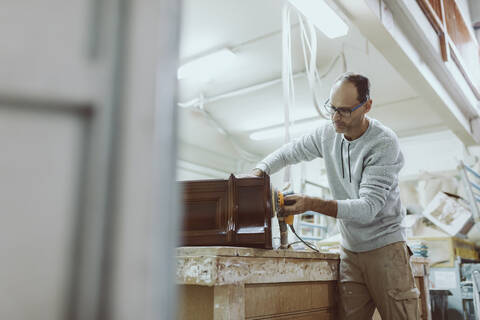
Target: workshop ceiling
252	30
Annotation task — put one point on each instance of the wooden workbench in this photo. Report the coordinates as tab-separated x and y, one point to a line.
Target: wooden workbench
421	271
247	283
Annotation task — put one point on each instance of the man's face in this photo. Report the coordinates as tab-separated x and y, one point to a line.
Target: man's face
344	95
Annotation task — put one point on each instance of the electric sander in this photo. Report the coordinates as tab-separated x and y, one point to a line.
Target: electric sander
278	202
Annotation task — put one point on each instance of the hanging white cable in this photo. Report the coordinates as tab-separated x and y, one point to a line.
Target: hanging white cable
309	42
309	46
313	72
310	60
287	80
330	65
344	58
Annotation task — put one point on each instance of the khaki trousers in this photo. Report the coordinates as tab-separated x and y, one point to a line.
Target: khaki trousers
380	278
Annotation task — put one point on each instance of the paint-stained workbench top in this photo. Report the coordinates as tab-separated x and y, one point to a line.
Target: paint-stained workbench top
420	266
213	266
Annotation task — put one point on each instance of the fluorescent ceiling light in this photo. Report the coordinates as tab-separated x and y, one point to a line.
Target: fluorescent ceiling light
322	16
205	66
298	129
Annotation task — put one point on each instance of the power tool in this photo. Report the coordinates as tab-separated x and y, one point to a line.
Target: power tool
278	202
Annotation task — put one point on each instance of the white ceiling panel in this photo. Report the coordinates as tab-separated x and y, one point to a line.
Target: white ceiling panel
252	29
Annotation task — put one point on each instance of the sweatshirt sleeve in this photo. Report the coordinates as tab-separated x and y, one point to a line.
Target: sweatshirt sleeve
306	148
379	175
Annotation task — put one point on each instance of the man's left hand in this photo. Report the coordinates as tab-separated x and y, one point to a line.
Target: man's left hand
297	204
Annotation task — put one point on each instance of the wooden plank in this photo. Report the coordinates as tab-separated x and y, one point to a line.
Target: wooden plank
195	303
436	16
432	16
460	15
443	38
462	44
426	306
309	315
437	7
421	300
229	302
457	58
324	294
271	299
444	47
418	269
281	298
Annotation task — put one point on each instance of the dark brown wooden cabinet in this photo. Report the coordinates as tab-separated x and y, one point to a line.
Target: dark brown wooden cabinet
233	212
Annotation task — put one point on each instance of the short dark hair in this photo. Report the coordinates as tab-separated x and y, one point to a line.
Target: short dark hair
360	82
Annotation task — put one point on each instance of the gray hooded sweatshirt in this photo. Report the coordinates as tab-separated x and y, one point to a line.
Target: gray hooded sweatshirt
363	178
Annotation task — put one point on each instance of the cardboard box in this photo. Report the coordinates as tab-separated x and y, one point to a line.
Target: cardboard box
450	213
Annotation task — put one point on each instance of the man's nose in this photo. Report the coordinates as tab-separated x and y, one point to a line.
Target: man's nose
336	116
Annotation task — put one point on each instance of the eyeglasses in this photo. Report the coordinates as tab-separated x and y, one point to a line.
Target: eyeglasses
343	112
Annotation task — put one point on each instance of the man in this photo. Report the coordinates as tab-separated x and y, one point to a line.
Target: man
362	159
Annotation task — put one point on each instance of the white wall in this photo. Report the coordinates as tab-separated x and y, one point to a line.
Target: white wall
433	152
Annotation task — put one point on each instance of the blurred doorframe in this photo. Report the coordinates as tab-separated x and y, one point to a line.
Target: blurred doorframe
123	252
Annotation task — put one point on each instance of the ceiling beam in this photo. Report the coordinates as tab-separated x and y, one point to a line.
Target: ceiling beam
406	46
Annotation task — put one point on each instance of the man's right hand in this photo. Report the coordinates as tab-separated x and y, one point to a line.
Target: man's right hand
257	172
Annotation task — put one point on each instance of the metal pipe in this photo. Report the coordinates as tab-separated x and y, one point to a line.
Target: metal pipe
234	93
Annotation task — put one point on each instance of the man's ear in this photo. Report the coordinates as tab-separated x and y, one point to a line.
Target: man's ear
368	105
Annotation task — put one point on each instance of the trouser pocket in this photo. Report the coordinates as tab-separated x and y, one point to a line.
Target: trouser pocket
410	252
403	304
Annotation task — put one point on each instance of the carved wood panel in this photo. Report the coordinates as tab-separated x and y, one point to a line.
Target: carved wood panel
233	212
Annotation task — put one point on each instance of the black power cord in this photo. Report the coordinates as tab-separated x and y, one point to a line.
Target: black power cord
303	241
